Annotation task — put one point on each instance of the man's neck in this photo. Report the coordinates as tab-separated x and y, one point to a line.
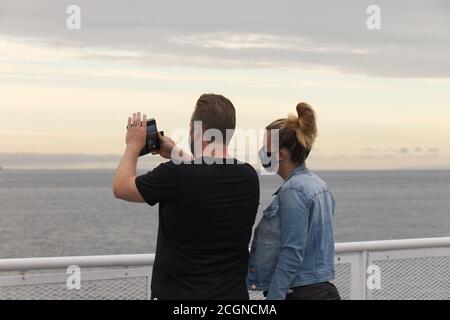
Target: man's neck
216	150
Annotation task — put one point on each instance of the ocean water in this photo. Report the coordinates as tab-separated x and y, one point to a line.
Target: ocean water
73	212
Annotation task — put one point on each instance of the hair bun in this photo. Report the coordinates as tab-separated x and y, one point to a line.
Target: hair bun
307	123
304	109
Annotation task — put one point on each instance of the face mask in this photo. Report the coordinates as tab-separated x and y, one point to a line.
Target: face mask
266	160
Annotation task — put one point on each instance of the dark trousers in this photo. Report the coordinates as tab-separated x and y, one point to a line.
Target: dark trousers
316	291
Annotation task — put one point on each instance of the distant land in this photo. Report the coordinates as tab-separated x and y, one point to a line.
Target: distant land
30	161
47	161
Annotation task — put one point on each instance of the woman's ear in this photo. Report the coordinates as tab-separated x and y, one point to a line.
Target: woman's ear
284	154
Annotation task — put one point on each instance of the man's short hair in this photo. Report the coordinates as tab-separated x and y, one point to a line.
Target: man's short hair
215	112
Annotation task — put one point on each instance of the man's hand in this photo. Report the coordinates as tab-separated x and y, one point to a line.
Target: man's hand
166	146
169	150
136	132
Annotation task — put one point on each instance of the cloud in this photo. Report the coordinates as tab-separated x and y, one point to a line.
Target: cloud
414	40
415	152
242	41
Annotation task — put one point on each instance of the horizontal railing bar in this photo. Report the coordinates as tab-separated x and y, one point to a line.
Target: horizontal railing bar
126	260
134	260
383	245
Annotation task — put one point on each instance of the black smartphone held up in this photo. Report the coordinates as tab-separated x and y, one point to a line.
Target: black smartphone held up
152	142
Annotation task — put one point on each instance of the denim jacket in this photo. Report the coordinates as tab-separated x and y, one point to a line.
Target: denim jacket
293	244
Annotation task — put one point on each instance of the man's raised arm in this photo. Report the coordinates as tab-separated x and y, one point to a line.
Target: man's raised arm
124	185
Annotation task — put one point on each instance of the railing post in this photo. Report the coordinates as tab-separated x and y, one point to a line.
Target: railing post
358	262
149	282
363	275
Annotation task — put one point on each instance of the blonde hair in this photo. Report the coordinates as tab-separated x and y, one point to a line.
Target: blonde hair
297	133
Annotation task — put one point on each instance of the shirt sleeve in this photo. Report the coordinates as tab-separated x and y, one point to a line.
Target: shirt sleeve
159	184
294	213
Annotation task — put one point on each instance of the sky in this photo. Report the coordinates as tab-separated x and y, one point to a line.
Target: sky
382	97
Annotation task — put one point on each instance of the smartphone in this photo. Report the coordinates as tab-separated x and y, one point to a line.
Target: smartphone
152	142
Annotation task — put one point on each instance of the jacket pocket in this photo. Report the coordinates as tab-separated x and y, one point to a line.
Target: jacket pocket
271	212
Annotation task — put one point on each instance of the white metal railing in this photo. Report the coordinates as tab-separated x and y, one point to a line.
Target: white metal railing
27	264
394	269
388	269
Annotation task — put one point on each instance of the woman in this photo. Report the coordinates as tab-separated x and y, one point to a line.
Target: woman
292	254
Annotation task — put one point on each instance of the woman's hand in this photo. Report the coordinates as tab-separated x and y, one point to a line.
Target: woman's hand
136	132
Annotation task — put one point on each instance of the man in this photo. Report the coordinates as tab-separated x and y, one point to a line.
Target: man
207	206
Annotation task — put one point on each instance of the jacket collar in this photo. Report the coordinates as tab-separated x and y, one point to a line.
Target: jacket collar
298	169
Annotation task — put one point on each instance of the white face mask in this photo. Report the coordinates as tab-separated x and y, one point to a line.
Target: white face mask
269	160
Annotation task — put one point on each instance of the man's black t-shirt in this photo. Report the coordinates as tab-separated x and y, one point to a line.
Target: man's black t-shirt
206	215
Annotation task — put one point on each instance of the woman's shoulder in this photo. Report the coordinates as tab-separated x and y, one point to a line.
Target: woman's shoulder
308	183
